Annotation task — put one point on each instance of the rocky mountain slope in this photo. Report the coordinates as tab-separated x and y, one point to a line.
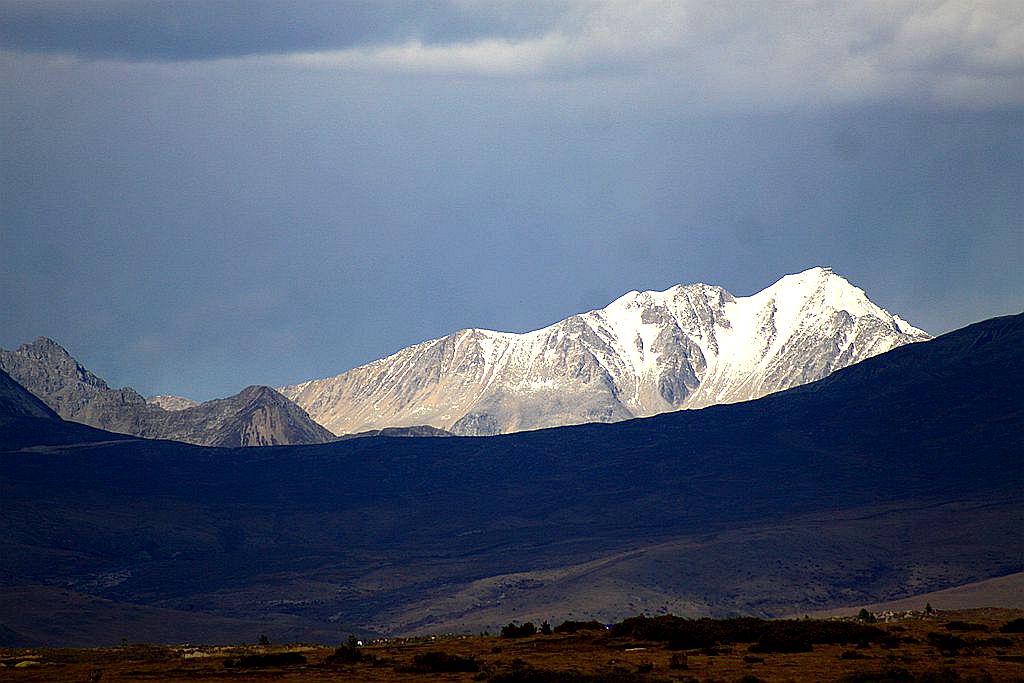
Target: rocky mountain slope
258	416
171	402
18	402
646	353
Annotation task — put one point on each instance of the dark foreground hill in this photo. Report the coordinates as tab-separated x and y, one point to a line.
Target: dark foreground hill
898	476
257	416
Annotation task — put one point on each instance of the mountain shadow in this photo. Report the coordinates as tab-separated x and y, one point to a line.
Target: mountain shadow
895	477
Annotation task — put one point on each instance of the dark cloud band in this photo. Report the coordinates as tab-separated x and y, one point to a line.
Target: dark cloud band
200	29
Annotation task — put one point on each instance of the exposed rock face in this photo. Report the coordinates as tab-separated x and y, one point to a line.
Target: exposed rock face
171	402
16	401
46	369
690	346
258	416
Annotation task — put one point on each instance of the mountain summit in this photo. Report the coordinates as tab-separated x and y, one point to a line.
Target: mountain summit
651	352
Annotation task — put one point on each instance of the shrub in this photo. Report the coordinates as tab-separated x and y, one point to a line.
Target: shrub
965	626
344	655
946	642
678	661
268	660
437	662
514	631
1014	626
575	626
782	642
783	635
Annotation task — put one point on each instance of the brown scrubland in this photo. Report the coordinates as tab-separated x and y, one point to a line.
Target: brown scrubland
935	646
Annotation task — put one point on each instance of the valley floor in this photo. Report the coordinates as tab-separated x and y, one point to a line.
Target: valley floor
966	645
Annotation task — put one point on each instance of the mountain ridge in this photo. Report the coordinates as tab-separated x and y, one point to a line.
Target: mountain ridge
649	352
256	416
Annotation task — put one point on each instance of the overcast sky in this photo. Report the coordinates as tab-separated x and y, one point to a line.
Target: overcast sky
196	196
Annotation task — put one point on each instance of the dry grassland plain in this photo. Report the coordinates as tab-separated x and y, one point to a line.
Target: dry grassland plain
958	646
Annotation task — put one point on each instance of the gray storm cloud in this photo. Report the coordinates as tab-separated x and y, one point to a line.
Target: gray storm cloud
731	55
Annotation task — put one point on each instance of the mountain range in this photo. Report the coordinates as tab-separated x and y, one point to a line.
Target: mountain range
646	353
257	416
893	477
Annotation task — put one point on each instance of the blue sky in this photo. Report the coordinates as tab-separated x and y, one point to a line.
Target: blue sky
198	196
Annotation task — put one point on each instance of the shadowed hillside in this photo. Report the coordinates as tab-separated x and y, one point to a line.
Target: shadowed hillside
897	476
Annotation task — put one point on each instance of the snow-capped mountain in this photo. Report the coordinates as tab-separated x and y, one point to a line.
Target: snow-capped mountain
689	346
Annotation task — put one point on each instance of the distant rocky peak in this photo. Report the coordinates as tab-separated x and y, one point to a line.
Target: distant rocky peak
257	416
44	352
261	392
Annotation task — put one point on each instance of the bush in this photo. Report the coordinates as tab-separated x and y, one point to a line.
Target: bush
514	631
345	655
268	660
437	662
782	635
575	626
681	634
965	626
946	642
783	642
1014	626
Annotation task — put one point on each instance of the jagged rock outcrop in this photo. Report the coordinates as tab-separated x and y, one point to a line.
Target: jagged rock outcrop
690	346
171	402
257	416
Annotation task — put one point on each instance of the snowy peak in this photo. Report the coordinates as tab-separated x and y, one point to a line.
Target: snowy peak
647	352
815	290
